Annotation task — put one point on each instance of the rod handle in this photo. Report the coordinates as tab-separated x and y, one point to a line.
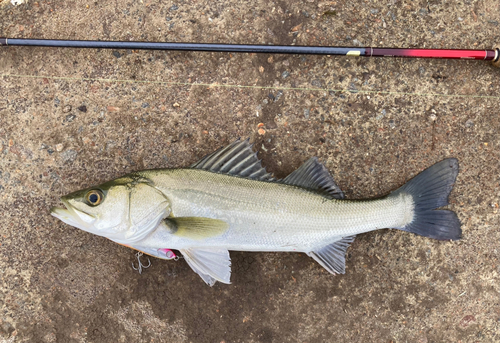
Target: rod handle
3	41
496	60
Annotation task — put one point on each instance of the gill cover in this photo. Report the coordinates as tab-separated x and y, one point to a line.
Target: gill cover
147	206
130	208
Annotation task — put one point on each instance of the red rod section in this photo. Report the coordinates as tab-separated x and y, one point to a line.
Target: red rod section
432	53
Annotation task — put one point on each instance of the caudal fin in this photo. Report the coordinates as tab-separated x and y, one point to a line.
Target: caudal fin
430	190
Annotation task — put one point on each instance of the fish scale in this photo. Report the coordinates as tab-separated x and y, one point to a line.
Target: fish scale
267	216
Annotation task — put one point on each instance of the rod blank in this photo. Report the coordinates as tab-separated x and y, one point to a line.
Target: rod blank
489	55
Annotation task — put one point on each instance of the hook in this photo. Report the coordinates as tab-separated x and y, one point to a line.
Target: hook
141	266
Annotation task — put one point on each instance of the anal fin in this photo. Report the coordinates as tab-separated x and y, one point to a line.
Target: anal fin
210	264
332	256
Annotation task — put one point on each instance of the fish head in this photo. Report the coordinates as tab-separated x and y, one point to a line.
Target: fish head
124	210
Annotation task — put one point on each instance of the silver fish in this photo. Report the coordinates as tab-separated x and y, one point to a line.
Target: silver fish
227	201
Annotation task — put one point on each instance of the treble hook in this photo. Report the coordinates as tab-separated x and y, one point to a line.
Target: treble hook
141	266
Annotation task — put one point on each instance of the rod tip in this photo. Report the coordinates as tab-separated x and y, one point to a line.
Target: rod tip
496	60
3	41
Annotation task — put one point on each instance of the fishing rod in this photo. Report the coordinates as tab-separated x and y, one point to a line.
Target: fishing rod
488	55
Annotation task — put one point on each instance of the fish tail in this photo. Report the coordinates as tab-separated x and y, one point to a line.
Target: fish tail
429	190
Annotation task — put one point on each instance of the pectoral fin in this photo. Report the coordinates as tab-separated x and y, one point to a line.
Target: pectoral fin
196	227
211	264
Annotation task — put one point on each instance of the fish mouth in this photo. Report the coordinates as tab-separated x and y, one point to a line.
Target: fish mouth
72	216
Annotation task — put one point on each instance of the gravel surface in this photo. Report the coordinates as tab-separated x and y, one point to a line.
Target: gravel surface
74	118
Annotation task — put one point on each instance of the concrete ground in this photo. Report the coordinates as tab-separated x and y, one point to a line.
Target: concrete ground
70	119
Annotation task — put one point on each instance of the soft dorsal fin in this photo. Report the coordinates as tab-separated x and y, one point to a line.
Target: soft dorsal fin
236	159
314	175
332	256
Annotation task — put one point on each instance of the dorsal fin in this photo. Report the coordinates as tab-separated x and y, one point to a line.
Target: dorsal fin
236	159
314	175
332	256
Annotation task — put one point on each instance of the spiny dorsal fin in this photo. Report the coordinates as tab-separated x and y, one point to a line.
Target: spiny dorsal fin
332	256
196	227
236	159
314	175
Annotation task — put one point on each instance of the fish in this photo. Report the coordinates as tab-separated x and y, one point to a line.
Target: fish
228	202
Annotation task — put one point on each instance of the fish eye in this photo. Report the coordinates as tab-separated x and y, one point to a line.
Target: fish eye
94	197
